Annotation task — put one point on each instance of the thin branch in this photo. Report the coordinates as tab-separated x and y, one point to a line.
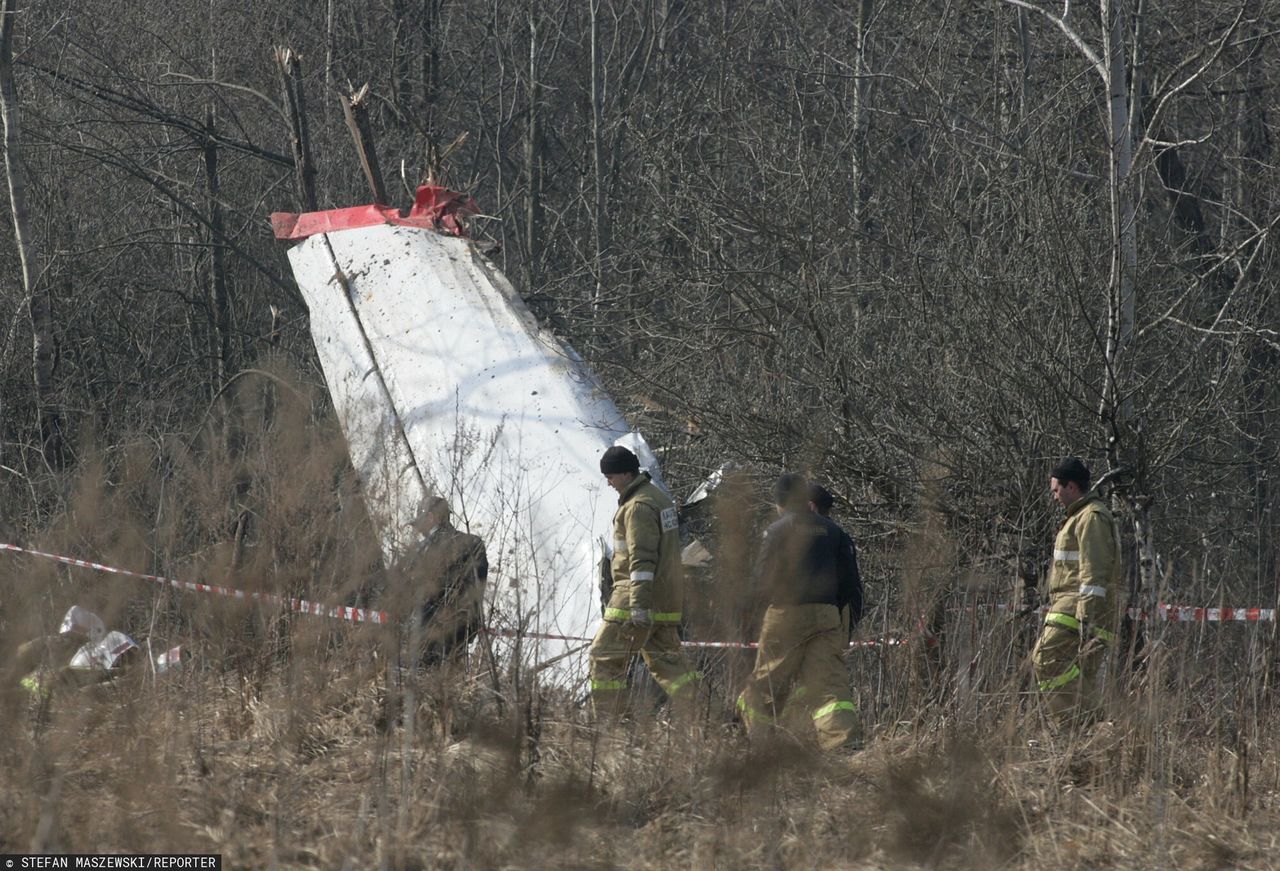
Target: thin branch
1154	122
1061	22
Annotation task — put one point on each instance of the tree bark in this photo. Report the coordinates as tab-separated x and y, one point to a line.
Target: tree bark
219	296
401	58
430	65
598	164
295	105
362	132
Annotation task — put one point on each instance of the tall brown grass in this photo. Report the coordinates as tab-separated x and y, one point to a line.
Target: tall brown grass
289	741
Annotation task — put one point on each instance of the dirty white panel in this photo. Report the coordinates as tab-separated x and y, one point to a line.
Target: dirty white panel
379	453
500	418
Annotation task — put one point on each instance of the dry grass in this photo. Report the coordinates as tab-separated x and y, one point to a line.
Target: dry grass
308	774
297	742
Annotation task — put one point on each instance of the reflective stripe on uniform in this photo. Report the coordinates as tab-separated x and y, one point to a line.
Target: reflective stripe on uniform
1068	622
642	576
1091	590
832	707
666	616
1061	680
684	680
620	545
1066	556
749	712
597	685
617	614
1064	620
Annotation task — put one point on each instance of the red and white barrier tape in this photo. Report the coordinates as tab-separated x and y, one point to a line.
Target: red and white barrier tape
302	606
1187	614
1169	613
1191	614
359	615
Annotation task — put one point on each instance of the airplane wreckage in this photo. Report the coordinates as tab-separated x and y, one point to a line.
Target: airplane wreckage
445	384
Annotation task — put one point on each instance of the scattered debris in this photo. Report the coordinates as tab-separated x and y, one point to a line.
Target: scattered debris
91	653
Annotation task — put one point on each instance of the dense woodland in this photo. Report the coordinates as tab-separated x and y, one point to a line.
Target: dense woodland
917	249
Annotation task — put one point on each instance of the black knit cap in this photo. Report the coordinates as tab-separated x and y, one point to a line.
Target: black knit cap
790	490
617	460
821	498
1072	469
431	505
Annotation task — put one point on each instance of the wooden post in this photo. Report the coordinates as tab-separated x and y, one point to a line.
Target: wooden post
357	115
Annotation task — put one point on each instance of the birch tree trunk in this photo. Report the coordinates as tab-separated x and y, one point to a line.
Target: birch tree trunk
1117	400
861	115
39	306
1124	444
533	160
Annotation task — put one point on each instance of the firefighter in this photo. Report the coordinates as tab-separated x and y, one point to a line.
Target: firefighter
807	578
643	610
446	571
1080	626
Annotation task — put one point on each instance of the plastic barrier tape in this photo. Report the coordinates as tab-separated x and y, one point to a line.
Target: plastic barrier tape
302	606
1186	614
1164	612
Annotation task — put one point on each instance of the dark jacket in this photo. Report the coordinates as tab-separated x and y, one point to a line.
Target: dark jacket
446	570
806	559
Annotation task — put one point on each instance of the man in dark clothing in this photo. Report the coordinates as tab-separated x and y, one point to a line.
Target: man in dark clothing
446	570
807	577
821	502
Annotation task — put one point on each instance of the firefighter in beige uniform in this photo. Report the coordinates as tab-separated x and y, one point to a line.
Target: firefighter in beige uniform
643	611
1083	616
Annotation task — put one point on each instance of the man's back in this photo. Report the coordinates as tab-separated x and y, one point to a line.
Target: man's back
806	559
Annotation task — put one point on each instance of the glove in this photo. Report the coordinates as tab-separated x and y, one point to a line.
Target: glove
1030	600
1089	641
639	617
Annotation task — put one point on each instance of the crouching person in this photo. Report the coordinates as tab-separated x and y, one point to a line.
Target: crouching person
642	614
807	576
